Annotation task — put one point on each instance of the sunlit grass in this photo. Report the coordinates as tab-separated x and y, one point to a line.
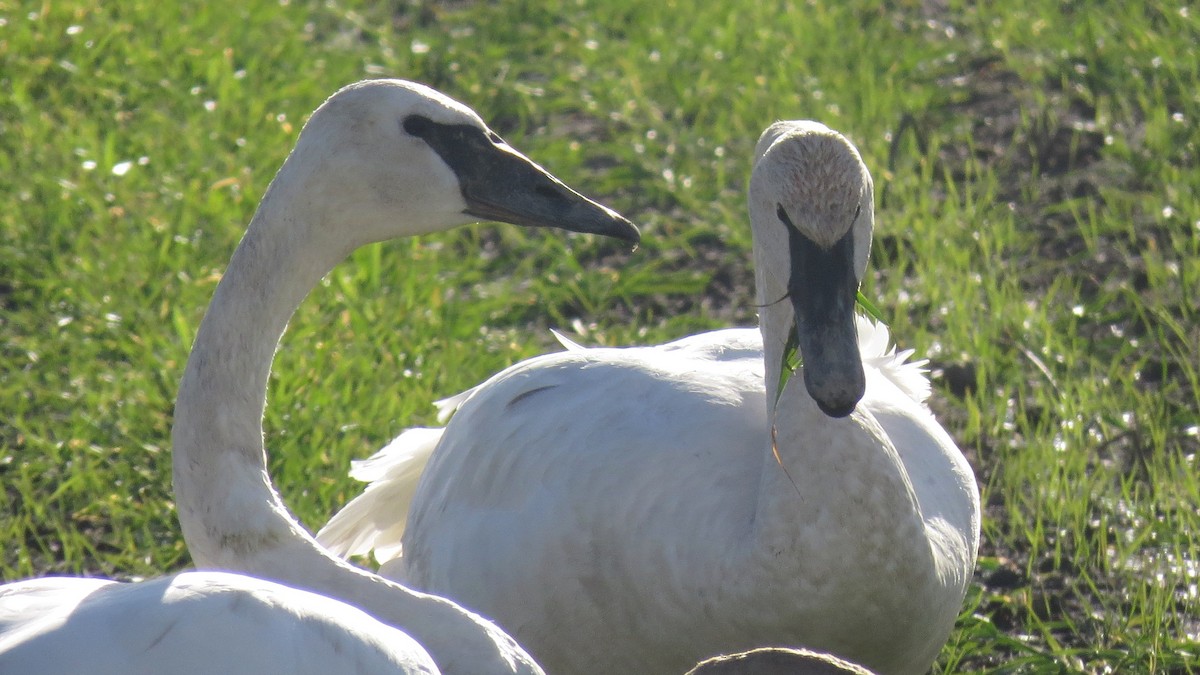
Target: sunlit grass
1038	238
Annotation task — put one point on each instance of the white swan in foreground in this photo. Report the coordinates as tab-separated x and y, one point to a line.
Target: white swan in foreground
622	510
193	623
379	159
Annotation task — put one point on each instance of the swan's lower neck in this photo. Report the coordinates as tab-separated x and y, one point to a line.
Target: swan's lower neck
227	505
231	515
229	511
825	481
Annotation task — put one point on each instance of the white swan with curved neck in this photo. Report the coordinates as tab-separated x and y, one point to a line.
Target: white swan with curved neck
379	159
622	510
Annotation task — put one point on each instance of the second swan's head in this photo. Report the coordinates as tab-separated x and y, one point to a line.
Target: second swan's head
812	210
391	158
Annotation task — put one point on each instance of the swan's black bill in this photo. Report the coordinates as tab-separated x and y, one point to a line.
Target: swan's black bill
822	288
499	183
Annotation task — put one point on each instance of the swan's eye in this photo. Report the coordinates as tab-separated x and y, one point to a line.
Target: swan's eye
783	216
416	125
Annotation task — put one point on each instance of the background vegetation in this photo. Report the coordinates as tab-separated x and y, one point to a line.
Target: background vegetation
1038	239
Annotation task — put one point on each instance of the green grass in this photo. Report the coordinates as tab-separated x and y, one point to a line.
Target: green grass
1038	237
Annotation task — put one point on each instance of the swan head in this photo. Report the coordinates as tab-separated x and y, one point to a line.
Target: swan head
812	211
382	159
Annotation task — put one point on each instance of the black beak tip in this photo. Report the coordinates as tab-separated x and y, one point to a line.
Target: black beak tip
836	400
627	231
837	409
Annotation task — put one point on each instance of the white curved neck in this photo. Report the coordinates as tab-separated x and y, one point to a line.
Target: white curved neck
231	515
228	508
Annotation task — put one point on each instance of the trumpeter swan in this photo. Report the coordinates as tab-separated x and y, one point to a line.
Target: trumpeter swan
193	623
623	510
379	159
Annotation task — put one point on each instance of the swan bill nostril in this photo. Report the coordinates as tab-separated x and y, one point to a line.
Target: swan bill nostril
550	193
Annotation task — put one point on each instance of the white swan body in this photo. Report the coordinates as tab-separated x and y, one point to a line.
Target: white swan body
622	510
193	623
379	159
